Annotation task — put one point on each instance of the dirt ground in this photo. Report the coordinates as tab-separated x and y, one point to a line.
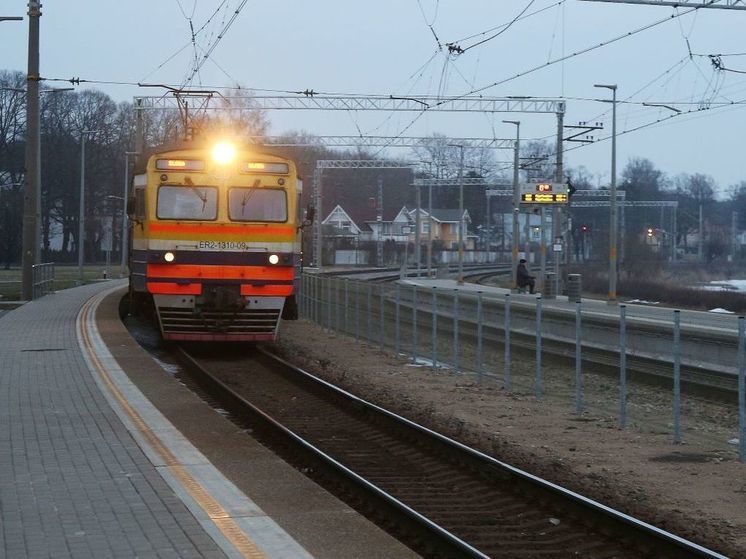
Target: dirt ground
696	489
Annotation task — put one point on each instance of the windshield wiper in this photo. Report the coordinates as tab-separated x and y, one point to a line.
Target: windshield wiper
248	194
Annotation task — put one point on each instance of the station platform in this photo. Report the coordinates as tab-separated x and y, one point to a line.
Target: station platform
104	454
727	322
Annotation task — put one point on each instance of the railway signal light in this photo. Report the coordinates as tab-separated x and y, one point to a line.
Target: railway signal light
584	228
650	232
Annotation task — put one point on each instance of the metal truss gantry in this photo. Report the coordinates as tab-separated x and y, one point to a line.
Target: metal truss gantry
413	103
380	141
699	4
322	164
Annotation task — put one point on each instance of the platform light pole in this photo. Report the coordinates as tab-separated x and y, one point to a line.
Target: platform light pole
461	222
125	197
516	201
81	207
612	202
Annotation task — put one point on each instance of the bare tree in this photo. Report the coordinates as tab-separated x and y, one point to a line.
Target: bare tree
12	171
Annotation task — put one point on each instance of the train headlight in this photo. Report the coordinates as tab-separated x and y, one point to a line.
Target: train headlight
273	259
223	153
169	257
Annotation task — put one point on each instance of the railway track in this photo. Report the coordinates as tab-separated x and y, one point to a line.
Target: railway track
440	497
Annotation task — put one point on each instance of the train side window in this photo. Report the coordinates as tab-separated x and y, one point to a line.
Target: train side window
140	204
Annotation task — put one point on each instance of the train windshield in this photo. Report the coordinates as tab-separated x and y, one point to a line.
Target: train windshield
198	203
257	204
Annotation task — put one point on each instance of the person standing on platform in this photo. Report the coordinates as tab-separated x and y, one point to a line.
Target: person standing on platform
523	278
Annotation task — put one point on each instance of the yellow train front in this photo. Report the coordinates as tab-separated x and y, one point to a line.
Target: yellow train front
215	243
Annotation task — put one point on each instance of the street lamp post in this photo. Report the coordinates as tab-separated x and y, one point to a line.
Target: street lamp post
612	202
125	228
81	210
516	201
32	190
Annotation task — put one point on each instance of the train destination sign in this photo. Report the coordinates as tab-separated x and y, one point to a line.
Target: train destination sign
544	193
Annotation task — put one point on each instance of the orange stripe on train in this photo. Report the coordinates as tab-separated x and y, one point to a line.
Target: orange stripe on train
197	271
166	288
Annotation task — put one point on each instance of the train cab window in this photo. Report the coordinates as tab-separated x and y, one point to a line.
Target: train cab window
199	203
257	204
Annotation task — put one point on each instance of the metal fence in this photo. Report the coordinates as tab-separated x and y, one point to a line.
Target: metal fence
506	340
43	278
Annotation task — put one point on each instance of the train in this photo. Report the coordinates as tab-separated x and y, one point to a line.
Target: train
215	241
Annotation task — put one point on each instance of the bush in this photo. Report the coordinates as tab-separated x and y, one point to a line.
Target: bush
666	292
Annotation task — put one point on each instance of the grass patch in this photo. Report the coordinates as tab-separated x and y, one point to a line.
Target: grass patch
65	276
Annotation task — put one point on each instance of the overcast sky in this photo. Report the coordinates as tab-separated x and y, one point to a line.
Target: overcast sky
390	47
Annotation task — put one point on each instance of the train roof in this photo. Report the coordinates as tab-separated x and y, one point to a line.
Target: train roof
149	151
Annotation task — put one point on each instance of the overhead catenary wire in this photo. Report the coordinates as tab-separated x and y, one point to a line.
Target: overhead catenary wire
189	42
503	25
221	34
583	51
591	48
457	49
430	24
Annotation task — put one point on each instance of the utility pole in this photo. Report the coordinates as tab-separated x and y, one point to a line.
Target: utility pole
543	250
430	230
125	198
461	222
81	207
32	190
612	202
557	210
417	230
139	129
516	202
379	219
701	236
733	237
317	253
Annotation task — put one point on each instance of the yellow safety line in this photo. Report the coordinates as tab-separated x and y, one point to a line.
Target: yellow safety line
201	496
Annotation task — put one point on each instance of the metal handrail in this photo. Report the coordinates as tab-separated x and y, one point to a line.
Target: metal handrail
43	279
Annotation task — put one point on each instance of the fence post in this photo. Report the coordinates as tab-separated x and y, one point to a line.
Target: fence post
302	296
578	361
396	319
337	315
435	328
313	298
414	324
677	376
741	389
455	331
329	303
507	384
382	316
347	305
622	366
318	300
538	388
357	311
479	337
307	296
370	313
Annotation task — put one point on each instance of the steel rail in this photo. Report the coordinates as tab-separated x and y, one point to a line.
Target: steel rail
657	541
446	542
